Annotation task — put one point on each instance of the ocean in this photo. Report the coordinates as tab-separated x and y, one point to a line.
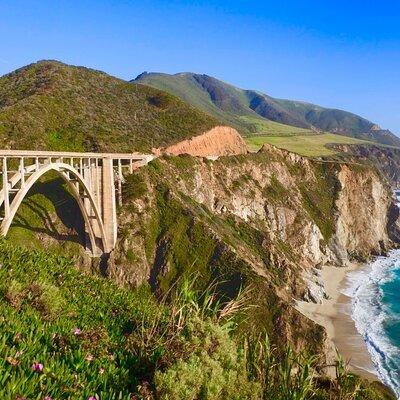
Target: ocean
375	300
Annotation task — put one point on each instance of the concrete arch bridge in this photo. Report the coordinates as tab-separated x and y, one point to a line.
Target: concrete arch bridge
94	179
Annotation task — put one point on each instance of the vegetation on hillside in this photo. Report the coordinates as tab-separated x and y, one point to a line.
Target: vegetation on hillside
250	110
68	335
225	102
53	106
189	333
305	145
262	126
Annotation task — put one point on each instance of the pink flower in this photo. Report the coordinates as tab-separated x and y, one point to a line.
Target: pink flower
37	367
101	371
92	398
47	398
76	331
89	357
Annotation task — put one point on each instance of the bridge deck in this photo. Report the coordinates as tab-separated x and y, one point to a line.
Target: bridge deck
68	154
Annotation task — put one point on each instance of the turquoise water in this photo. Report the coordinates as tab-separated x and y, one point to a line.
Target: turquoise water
375	293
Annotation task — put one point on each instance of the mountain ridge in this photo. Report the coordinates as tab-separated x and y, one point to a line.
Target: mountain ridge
236	106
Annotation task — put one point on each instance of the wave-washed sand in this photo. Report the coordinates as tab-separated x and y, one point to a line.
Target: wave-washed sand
334	314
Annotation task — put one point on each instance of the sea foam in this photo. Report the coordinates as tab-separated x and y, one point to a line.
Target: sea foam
372	316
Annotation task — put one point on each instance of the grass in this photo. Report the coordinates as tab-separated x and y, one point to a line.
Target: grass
275	191
189	90
234	109
265	127
66	335
251	112
319	198
306	145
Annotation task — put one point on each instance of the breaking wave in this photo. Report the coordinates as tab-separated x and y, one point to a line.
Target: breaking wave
375	298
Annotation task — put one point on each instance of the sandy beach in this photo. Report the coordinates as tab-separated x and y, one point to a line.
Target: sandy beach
334	314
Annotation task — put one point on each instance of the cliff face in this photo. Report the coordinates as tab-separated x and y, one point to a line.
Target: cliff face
267	220
362	206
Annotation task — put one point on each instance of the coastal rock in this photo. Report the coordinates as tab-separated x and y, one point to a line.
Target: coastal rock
362	219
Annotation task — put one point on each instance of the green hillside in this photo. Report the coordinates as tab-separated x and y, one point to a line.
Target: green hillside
305	145
246	110
225	102
50	105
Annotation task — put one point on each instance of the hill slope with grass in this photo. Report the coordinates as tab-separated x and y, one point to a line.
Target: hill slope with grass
320	145
68	335
53	106
251	111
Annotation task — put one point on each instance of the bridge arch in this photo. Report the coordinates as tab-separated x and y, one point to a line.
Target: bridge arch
95	180
70	175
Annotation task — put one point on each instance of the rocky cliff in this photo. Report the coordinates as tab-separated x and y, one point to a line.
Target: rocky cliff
268	221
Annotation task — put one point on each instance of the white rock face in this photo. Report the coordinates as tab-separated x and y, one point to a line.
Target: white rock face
362	213
312	246
315	286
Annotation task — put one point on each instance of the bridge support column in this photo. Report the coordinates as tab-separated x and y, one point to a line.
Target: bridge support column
85	172
109	204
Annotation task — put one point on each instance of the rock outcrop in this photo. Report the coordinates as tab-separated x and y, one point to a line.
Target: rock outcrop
219	141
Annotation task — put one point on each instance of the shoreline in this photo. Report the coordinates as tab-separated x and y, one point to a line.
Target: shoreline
334	314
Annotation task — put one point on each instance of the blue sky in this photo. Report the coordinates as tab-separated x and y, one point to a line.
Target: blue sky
342	54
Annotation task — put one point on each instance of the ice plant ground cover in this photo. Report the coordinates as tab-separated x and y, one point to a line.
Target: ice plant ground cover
62	333
69	335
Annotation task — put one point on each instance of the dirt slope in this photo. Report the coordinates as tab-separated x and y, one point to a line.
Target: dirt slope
219	141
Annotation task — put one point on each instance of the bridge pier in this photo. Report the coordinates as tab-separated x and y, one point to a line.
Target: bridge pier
109	208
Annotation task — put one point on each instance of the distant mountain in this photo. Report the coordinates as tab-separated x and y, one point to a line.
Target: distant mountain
50	105
250	111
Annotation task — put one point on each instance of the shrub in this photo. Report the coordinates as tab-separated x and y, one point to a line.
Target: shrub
214	370
134	187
